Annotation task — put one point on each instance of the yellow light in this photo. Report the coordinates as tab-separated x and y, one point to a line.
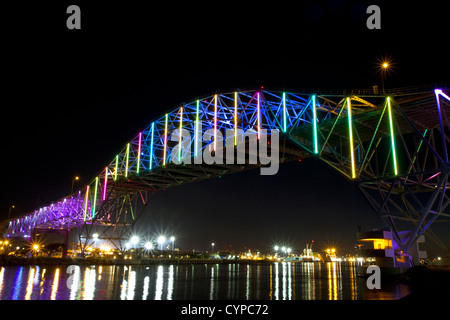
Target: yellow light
35	247
76	178
385	65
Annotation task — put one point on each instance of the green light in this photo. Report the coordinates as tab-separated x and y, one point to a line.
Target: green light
151	146
95	197
316	147
350	130
391	125
284	112
127	157
117	167
165	140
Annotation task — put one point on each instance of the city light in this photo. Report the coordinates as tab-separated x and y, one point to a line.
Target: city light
161	240
148	245
173	242
134	240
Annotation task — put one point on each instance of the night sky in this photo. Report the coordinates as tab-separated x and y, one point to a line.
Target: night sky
72	99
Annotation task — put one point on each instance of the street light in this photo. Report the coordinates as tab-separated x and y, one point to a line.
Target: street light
385	65
161	240
173	240
10	208
148	245
76	178
212	247
134	240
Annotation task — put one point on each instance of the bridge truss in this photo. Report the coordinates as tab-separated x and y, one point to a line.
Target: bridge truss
393	146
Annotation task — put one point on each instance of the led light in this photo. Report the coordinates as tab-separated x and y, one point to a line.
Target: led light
215	122
106	184
86	202
95	197
165	140
259	115
316	148
350	130
444	143
127	159
139	153
235	118
284	113
391	126
196	130
181	127
117	167
151	147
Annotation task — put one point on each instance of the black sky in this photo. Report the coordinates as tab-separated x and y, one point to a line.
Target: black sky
73	98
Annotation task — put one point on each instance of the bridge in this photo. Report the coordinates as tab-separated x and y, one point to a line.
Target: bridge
394	146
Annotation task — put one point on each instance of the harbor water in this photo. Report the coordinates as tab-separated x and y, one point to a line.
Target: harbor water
234	281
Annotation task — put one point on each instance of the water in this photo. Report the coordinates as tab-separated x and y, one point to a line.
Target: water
276	281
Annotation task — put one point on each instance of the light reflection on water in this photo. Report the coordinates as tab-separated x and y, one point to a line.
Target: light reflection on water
277	281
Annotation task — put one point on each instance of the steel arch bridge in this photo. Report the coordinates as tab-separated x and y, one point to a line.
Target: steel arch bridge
394	146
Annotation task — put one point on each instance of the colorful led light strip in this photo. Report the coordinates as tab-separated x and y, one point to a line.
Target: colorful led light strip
391	126
284	112
215	122
440	92
117	167
444	143
165	140
258	114
235	118
86	202
127	159
181	127
316	147
196	129
95	198
350	130
106	184
151	147
139	154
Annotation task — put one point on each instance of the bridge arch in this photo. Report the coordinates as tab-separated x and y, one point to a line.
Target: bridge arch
394	146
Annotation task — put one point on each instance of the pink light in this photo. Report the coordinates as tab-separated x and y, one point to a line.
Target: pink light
259	127
106	183
139	153
215	122
434	175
